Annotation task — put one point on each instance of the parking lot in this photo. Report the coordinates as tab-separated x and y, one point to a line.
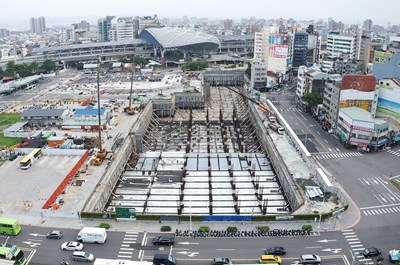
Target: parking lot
27	190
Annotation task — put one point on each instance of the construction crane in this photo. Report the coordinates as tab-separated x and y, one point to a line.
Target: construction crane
101	154
259	104
129	110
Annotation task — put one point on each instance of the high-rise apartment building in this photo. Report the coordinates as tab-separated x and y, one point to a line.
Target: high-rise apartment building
122	29
38	25
368	25
104	26
228	24
148	22
4	33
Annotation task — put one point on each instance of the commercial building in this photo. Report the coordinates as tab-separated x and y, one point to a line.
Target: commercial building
386	64
351	91
356	127
217	77
342	43
273	49
38	25
300	48
310	80
259	76
389	98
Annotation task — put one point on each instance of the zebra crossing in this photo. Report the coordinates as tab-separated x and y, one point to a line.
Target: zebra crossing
337	155
378	211
126	251
394	152
356	246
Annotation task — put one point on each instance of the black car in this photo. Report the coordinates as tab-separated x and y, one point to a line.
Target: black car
275	251
164	240
369	252
54	234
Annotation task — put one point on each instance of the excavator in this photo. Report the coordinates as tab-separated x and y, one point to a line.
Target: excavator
129	110
259	104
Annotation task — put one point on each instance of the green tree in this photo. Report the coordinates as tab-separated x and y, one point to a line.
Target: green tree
194	66
10	69
1	72
49	65
312	99
248	71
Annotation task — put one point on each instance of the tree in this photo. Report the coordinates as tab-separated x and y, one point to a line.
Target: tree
195	66
10	69
250	54
248	70
1	72
49	65
312	99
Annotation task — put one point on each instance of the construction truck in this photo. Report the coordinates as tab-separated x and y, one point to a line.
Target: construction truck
275	127
129	110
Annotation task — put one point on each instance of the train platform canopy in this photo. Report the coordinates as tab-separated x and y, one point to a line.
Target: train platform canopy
179	38
17	84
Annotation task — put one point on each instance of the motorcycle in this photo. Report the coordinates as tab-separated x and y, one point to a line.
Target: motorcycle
64	262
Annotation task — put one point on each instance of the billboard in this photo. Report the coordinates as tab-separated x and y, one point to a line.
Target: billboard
278	39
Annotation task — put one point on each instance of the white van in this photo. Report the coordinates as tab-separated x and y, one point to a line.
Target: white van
92	235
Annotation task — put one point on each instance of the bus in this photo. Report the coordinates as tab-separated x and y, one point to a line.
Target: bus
9	226
29	159
11	254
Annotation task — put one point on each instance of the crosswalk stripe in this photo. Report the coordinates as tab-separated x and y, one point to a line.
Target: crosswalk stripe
350	236
379	210
354	242
356	246
356	249
384	210
347	230
391	210
395	209
362	260
352	239
124	256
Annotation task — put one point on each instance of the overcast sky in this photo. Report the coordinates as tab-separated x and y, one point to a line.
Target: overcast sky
16	13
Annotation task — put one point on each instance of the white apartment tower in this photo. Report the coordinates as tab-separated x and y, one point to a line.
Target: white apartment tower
122	29
343	43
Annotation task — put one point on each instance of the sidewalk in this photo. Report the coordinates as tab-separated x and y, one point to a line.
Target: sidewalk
344	220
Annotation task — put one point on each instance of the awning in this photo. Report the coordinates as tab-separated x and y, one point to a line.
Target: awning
321	117
396	138
380	142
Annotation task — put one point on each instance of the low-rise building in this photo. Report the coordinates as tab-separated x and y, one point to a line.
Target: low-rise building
356	127
44	117
87	119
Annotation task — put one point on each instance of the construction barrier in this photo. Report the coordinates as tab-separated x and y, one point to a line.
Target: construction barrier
50	202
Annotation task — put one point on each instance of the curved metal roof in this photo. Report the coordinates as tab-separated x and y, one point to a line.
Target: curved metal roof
168	37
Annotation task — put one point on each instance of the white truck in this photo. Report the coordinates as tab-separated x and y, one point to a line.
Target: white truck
92	235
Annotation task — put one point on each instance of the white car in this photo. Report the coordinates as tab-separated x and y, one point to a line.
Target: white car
72	245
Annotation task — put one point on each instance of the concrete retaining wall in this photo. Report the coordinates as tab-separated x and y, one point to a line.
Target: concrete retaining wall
289	186
53	152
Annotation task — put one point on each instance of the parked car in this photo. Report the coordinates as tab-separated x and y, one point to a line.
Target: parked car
310	259
82	256
54	234
275	251
72	245
222	261
164	240
268	259
369	252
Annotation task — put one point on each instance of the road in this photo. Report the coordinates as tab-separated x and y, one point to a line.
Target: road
332	246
